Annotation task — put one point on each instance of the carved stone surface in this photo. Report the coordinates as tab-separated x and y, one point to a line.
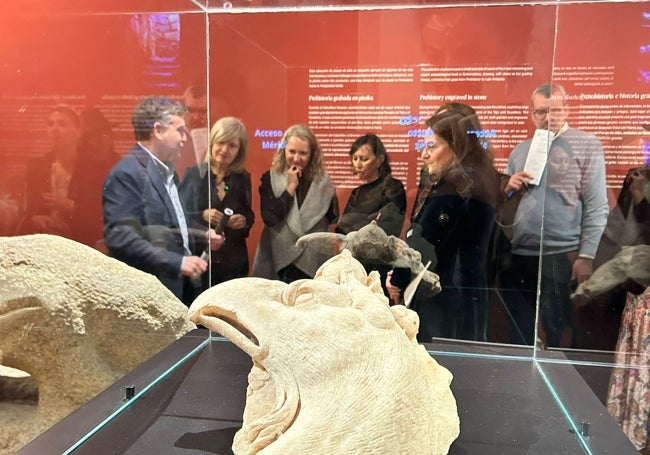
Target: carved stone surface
335	369
369	245
17	386
76	321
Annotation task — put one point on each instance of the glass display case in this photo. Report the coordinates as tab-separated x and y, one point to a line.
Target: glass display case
347	68
196	402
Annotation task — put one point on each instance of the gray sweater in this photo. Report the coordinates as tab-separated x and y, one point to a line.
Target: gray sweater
566	212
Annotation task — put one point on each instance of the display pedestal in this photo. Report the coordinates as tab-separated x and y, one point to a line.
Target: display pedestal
504	404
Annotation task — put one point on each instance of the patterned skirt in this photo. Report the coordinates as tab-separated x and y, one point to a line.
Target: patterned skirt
628	400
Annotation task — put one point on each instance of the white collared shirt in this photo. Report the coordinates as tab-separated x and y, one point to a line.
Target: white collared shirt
167	172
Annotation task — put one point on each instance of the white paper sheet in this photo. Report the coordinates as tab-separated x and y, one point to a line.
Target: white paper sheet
538	154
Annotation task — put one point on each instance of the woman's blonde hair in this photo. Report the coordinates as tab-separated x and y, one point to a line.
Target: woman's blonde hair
315	166
224	130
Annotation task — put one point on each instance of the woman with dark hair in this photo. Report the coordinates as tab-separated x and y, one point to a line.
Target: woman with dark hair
454	212
221	184
297	197
381	197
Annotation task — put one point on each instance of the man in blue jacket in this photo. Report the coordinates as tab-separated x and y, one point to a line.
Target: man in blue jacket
145	224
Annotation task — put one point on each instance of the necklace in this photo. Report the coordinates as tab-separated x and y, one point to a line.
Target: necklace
222	181
220	185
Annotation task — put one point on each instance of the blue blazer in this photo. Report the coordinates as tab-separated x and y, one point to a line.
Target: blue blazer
140	224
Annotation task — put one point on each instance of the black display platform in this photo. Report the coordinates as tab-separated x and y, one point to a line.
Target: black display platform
504	403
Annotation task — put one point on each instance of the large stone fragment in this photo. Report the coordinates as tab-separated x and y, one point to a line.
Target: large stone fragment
76	321
335	369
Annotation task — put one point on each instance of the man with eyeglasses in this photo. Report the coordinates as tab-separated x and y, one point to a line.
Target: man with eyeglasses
558	223
145	224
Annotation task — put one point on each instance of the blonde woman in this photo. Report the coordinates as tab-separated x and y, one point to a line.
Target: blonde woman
220	183
297	198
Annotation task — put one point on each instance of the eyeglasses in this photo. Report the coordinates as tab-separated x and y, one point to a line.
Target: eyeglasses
541	113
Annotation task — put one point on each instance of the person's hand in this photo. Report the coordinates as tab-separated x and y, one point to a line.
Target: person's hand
237	221
193	266
517	181
212	216
293	179
394	292
56	202
215	240
582	269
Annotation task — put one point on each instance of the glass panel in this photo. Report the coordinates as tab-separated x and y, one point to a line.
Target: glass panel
74	72
597	182
177	410
72	318
172	406
347	73
219	6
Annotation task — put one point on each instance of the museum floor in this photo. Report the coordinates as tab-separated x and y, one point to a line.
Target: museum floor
504	402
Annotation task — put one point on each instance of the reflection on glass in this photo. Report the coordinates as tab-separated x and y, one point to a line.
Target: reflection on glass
343	86
618	267
48	207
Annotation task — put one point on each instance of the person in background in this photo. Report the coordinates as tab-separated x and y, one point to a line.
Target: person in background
48	205
628	400
571	208
66	200
597	322
145	224
96	158
380	197
454	213
297	198
220	183
195	100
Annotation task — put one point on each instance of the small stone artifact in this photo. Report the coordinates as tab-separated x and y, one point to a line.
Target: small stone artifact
631	263
335	369
370	245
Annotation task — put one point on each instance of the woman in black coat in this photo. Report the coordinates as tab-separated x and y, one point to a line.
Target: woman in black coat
380	197
216	185
454	212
